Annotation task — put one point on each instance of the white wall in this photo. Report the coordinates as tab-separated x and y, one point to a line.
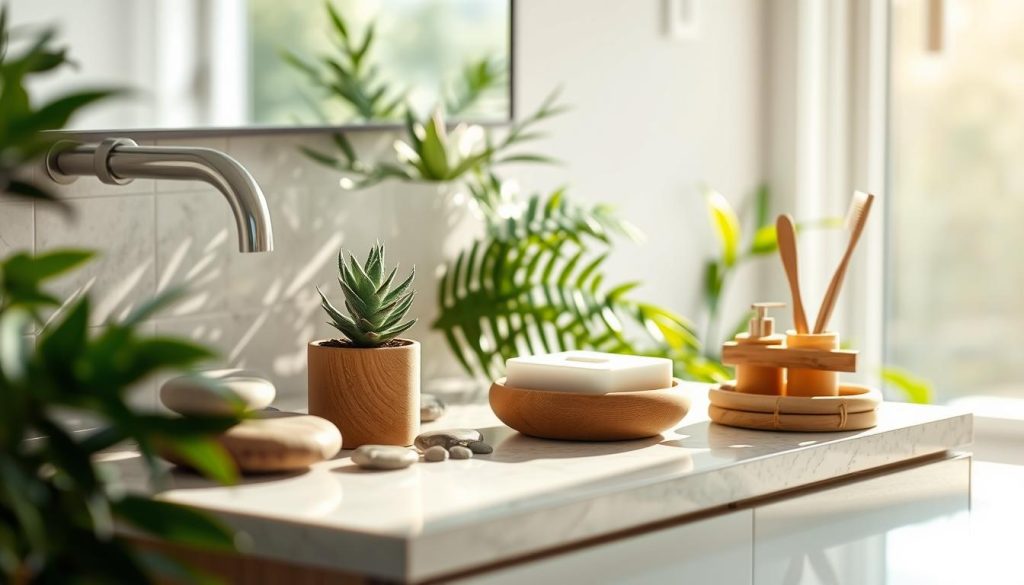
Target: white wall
653	118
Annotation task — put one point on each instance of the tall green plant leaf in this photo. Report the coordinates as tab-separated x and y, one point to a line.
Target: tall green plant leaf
915	389
726	226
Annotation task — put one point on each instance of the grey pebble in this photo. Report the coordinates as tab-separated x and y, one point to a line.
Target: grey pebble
480	448
448	438
384	457
460	452
435	453
431	408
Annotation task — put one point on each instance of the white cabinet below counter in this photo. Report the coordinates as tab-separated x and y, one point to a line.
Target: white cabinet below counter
903	526
713	550
906	527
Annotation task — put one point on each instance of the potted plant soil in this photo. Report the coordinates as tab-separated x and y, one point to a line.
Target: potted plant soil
368	383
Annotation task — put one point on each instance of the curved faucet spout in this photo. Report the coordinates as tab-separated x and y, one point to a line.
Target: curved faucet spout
119	160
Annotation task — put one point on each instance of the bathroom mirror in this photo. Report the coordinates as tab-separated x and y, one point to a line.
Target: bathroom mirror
266	64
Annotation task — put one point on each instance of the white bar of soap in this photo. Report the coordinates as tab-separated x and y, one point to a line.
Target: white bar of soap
588	372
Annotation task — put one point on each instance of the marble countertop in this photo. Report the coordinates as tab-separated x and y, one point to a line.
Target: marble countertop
530	495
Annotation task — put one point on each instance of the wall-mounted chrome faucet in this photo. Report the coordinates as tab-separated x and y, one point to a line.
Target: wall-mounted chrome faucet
119	160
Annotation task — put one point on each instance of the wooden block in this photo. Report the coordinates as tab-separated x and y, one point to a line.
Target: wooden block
836	360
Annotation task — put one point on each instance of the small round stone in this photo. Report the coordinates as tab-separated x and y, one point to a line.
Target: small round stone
431	408
460	452
384	457
217	392
480	448
447	438
435	453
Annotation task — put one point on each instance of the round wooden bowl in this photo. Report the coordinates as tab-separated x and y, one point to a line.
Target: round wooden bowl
615	416
854	409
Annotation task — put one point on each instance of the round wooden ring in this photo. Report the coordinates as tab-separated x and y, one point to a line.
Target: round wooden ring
614	416
855	397
811	423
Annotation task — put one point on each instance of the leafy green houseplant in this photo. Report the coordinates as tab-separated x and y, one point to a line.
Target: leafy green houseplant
22	121
57	505
535	281
55	502
368	384
426	152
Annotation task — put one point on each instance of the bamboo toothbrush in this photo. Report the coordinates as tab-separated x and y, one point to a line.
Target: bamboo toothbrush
786	234
856	217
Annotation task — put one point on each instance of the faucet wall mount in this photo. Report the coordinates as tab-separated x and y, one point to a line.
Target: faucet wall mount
118	161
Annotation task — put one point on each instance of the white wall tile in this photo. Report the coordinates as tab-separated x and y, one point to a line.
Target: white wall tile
17	229
271	342
121	230
195	241
292	184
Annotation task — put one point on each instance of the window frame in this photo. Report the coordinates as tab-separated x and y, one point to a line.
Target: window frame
828	135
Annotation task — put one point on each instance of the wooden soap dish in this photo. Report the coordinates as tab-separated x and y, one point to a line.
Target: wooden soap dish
854	409
615	416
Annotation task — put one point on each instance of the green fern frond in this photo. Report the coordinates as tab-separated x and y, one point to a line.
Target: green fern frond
540	215
350	75
536	284
477	79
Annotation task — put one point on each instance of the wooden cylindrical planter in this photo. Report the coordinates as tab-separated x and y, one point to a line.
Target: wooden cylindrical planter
371	394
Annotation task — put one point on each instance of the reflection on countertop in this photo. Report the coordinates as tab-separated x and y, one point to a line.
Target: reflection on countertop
533	494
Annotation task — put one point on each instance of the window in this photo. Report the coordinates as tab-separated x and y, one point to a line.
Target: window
955	274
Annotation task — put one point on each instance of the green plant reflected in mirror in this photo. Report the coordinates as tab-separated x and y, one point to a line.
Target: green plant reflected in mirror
198	64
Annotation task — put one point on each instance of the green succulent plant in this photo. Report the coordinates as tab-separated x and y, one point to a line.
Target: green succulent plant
376	308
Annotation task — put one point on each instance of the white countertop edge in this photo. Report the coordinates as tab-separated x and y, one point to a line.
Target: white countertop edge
526	529
494	540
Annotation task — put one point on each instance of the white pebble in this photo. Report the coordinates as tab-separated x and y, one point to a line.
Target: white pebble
384	457
460	452
435	453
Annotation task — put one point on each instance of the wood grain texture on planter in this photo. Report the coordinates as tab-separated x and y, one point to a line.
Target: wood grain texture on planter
371	394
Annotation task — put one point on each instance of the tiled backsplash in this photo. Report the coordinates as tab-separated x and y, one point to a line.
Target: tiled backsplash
258	310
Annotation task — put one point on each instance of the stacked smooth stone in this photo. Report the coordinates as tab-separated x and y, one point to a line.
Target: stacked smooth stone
266	440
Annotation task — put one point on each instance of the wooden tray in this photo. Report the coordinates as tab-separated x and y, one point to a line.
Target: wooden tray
614	416
854	409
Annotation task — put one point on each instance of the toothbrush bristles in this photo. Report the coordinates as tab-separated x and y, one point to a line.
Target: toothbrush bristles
856	209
